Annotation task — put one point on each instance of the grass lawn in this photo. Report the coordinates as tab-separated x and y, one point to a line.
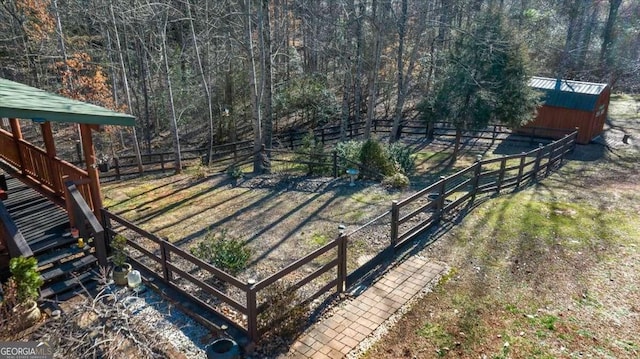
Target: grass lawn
552	271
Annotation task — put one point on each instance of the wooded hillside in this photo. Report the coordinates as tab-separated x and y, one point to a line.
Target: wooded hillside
216	71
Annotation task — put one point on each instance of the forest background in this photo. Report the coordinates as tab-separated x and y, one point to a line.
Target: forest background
209	72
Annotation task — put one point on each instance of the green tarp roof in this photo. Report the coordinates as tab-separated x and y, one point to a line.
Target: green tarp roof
26	102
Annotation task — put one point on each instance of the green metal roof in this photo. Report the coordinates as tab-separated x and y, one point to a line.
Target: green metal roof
26	102
567	93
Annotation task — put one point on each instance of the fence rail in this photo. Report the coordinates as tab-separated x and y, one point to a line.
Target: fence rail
410	217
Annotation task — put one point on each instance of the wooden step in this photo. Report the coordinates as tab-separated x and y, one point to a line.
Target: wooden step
67	267
52	244
64	286
57	256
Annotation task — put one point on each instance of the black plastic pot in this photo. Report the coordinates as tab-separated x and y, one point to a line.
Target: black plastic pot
104	166
223	348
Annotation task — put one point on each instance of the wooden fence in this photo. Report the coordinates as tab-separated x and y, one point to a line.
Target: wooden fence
222	155
424	209
411	216
241	152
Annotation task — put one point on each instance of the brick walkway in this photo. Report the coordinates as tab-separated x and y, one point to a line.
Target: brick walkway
337	335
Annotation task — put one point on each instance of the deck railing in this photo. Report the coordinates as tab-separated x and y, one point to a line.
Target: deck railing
16	244
46	172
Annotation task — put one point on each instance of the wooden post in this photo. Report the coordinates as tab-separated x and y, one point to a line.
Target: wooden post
161	162
335	164
166	257
116	163
17	136
536	166
476	178
342	263
523	158
50	147
252	313
503	165
90	160
552	150
440	204
67	203
395	218
322	135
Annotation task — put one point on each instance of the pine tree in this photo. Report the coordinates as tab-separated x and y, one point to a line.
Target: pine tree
485	82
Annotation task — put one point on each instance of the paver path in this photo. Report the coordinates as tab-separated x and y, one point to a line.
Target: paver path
337	335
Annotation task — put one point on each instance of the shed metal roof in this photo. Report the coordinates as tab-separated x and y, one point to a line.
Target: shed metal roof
568	93
21	101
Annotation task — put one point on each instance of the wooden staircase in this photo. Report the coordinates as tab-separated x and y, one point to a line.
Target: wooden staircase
65	268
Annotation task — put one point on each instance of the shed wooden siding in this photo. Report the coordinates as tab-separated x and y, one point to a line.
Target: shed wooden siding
589	123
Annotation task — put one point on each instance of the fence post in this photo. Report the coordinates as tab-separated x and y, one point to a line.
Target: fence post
291	132
335	164
166	257
552	151
116	163
342	263
503	165
440	203
395	217
533	135
523	158
252	311
161	161
106	226
536	166
476	178
375	126
322	135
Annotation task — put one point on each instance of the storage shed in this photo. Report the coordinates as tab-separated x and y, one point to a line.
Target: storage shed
569	104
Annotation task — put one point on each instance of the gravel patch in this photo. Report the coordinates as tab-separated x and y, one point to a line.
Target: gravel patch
173	325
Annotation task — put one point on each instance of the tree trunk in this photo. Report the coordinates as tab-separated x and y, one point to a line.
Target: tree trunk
608	38
174	120
255	92
377	20
397	117
265	50
205	83
126	88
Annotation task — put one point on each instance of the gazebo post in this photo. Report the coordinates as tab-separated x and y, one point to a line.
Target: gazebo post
50	147
90	160
17	136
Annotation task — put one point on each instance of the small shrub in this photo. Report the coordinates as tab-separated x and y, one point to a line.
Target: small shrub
374	157
313	153
284	315
118	245
397	180
197	172
349	152
229	255
401	156
24	271
234	172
